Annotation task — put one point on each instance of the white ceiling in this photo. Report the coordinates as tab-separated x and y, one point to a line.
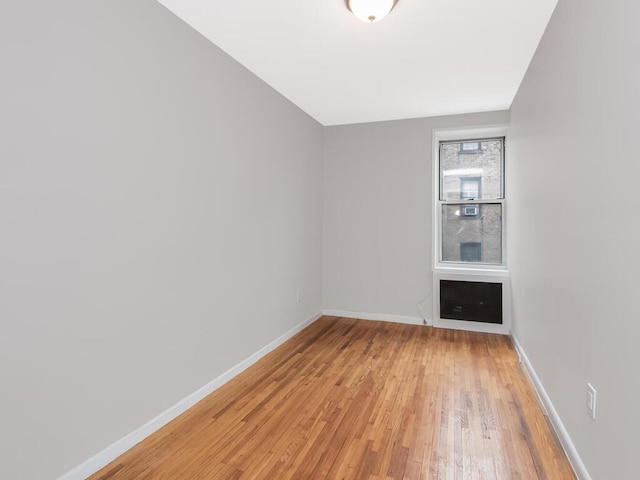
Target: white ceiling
428	57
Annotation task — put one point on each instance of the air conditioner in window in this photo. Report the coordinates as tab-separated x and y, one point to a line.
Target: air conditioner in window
470	211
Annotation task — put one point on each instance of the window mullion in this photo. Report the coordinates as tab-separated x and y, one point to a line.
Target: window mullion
474	202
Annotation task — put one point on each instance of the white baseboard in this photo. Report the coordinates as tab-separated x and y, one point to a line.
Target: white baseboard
482	327
375	316
106	456
567	444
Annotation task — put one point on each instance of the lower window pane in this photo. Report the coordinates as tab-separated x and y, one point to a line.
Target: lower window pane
472	233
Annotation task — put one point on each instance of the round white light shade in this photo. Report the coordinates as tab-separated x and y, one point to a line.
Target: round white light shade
371	11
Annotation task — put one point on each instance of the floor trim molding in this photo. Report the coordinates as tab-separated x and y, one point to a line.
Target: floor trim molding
106	456
578	465
375	316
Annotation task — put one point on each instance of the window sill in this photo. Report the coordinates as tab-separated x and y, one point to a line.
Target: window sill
494	270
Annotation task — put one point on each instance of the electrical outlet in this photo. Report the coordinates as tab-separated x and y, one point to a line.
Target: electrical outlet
299	295
591	401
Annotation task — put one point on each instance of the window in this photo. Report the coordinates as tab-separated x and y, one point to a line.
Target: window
470	147
469	188
470	201
471	252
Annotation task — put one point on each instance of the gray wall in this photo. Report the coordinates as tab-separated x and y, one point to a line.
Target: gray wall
574	228
159	208
378	197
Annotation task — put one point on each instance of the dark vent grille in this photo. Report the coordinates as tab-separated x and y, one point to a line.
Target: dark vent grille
471	301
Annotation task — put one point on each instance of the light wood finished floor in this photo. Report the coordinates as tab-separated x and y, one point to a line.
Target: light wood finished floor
355	399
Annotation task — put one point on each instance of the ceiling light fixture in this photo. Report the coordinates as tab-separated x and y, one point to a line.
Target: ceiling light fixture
370	11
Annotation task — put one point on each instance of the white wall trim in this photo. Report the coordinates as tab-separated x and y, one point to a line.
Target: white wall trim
106	456
567	444
375	316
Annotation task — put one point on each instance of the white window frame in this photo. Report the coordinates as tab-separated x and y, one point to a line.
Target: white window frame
472	133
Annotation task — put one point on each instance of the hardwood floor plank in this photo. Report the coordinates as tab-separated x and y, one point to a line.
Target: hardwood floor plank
354	399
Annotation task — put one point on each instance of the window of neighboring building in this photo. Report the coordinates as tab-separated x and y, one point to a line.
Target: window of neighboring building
470	188
470	201
471	252
470	147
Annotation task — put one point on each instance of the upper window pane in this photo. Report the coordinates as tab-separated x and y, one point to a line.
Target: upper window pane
472	170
